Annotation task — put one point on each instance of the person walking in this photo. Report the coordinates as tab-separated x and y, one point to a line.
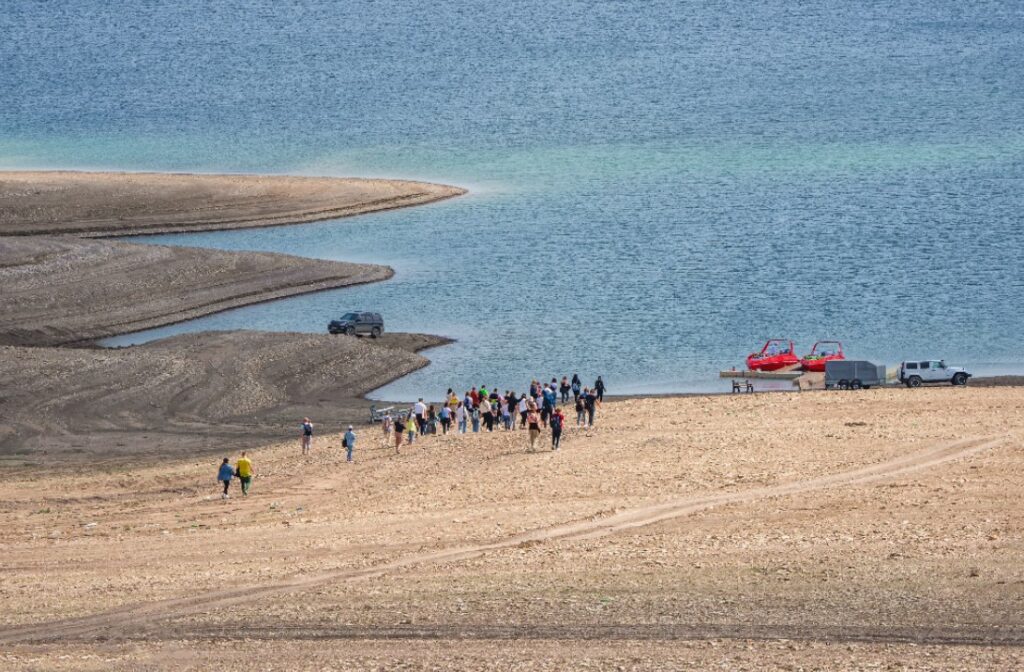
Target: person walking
349	441
245	472
506	414
599	389
488	414
563	389
550	400
533	422
431	420
581	412
557	422
590	402
524	408
420	410
307	436
399	432
446	418
411	429
576	386
224	475
386	425
475	415
461	417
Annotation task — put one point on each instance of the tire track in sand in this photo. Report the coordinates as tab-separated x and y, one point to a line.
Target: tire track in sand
118	622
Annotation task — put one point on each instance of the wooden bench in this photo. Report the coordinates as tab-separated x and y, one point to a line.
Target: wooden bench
745	386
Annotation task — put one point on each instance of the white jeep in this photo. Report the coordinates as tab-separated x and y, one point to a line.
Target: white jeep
913	374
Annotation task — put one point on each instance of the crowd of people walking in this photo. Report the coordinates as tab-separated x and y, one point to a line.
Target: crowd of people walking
478	410
482	409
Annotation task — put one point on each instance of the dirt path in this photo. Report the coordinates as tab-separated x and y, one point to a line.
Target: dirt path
123	621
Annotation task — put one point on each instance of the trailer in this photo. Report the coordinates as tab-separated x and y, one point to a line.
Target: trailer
853	375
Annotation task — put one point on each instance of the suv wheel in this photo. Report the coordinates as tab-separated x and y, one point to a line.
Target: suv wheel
960	379
914	381
350	331
375	332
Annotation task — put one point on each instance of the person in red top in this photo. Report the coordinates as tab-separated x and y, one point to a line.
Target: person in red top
475	396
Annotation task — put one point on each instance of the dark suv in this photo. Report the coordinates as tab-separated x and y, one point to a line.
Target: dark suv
358	323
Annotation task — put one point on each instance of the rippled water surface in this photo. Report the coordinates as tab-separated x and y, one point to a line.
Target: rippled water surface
656	187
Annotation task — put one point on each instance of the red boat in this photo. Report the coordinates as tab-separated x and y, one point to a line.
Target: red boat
776	354
823	351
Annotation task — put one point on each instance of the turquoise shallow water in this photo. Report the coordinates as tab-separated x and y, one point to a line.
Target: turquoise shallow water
656	188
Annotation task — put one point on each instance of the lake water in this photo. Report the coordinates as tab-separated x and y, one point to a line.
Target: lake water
656	187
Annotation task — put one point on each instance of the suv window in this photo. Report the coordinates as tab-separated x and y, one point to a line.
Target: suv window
911	365
349	316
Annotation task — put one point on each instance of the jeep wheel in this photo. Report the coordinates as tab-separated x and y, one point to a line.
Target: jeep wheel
960	379
375	332
914	381
855	385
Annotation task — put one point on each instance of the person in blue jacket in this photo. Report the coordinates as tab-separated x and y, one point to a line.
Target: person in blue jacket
225	474
350	443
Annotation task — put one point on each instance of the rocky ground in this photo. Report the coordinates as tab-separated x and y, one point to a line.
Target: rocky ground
876	530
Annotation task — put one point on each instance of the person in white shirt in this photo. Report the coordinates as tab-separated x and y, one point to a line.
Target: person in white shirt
420	409
488	414
523	407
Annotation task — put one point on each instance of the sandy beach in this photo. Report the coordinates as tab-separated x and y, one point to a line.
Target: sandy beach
832	531
124	204
780	531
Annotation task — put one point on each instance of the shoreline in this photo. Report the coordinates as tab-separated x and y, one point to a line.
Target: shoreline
67	286
110	204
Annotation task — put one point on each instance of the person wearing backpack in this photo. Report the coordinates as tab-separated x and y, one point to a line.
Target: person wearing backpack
307	436
576	386
557	422
581	412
